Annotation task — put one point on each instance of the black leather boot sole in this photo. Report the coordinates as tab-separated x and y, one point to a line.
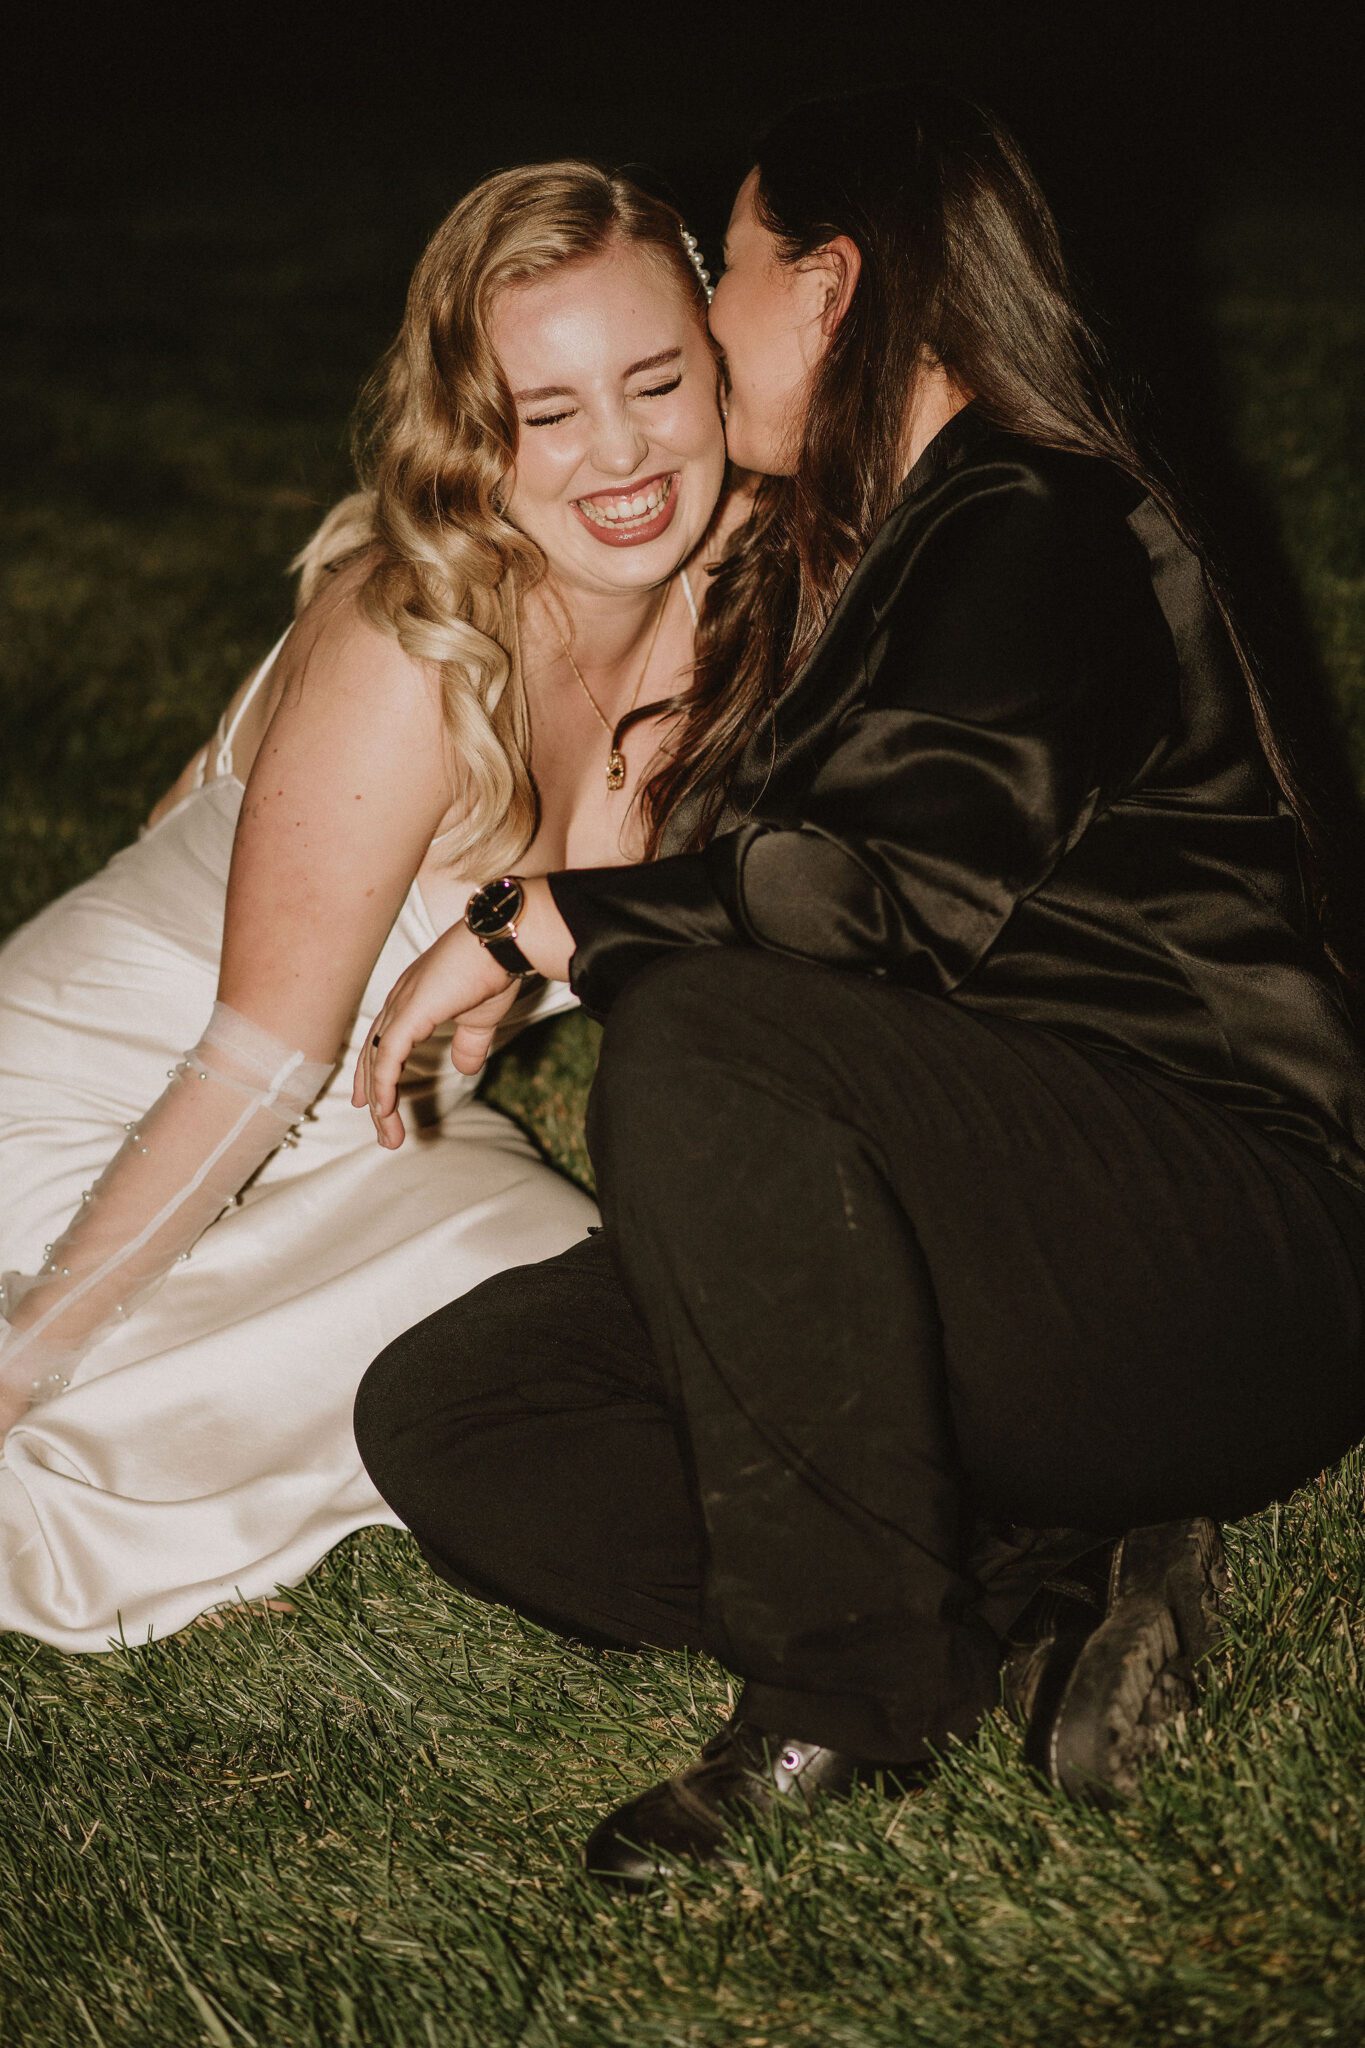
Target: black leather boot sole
1096	1697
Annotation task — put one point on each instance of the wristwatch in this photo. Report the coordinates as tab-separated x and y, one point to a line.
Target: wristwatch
491	914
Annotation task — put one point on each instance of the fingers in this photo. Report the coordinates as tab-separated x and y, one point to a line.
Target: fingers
360	1080
386	1056
449	981
363	1082
378	1071
470	1045
471	1041
360	1084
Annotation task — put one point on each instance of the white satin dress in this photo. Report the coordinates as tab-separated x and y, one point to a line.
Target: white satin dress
204	1450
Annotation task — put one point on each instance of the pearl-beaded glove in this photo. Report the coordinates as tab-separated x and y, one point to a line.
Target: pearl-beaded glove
229	1104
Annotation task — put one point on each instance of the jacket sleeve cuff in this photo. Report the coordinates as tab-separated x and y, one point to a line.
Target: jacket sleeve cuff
624	918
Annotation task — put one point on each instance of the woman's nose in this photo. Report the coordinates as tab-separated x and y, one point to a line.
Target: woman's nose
619	444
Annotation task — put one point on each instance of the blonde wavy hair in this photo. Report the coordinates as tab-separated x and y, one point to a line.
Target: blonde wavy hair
436	436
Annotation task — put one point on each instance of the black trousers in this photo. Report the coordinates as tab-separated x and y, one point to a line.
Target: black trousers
878	1273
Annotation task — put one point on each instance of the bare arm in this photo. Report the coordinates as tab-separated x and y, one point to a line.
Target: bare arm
344	797
347	789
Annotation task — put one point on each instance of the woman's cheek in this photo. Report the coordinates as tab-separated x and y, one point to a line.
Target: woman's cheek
553	468
528	477
696	430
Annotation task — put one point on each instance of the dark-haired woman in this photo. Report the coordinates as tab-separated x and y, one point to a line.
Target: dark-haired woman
980	1127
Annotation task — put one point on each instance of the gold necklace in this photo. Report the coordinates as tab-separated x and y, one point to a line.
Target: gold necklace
616	760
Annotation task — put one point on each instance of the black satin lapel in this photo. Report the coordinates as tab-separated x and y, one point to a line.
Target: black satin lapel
794	734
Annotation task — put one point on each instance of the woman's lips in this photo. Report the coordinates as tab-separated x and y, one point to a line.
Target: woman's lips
611	517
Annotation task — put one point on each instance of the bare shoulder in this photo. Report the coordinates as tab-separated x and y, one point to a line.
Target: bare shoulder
351	713
337	653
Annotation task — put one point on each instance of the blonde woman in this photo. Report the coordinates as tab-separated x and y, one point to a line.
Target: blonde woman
544	459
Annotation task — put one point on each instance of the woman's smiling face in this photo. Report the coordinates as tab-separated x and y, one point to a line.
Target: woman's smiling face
620	449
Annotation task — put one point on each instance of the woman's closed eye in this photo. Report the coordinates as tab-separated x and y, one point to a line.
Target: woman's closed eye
552	419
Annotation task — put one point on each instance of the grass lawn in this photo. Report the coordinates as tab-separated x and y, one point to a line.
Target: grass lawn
355	1820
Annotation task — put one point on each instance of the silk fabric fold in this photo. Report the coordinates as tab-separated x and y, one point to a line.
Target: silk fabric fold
1019	770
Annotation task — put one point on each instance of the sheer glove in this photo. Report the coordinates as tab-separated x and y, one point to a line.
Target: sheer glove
229	1104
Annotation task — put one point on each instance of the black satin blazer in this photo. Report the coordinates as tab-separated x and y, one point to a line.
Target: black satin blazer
1019	770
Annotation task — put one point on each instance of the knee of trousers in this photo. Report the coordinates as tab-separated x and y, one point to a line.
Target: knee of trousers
418	1414
416	1465
386	1410
412	1428
701	1008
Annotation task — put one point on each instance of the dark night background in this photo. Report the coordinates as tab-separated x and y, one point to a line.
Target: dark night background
1143	120
212	213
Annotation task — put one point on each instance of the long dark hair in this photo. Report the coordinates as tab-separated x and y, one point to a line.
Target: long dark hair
962	266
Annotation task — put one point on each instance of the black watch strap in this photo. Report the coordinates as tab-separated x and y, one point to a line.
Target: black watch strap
509	955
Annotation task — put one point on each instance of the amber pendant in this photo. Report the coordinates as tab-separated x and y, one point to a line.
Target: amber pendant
616	769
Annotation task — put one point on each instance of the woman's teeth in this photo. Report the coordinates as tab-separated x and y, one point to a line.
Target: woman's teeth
621	511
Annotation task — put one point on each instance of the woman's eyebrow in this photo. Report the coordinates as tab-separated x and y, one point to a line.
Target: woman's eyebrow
665	355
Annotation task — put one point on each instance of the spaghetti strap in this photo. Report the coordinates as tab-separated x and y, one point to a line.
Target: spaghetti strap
227	731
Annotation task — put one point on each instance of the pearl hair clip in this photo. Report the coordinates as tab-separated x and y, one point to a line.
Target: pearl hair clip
693	249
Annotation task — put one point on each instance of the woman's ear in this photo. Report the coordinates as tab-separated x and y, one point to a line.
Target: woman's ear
840	265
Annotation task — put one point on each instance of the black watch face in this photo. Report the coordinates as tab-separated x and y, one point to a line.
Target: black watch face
492	909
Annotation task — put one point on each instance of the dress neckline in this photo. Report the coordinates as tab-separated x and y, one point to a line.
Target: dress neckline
220	747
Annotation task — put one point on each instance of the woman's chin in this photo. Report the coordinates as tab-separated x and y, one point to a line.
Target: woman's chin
750	449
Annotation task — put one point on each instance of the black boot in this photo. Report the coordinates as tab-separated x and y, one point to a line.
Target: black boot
1042	1644
742	1772
1104	1673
